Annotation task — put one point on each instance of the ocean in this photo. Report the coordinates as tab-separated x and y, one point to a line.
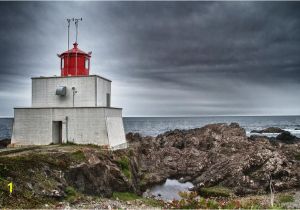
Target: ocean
152	126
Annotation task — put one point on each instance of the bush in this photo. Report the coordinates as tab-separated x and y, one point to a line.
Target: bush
123	162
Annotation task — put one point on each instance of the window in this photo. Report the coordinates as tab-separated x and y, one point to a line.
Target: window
86	64
62	63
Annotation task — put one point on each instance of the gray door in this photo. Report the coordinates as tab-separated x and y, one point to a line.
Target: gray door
57	132
108	99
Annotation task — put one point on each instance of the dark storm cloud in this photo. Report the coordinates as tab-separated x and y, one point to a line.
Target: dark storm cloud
165	58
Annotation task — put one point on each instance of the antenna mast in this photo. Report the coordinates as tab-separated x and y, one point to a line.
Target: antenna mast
76	25
68	20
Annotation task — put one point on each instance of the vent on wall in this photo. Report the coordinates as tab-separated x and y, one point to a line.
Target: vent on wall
61	91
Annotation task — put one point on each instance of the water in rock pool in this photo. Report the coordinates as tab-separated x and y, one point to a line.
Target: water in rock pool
169	190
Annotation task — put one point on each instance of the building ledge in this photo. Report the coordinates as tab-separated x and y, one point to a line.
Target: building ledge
55	77
67	107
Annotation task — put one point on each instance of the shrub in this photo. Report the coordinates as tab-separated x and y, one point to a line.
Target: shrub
123	162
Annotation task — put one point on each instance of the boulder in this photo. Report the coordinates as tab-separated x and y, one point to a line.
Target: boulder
286	137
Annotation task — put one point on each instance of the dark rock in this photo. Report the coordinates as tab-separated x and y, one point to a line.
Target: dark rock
286	137
98	179
4	143
268	130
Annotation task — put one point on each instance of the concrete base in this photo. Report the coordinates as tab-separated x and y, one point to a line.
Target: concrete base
80	125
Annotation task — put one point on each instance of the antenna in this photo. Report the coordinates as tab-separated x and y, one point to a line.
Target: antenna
76	24
68	20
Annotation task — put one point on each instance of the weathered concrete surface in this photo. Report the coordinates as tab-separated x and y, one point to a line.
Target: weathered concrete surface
86	125
91	91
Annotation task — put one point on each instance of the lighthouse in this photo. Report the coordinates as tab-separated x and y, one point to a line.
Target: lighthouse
73	107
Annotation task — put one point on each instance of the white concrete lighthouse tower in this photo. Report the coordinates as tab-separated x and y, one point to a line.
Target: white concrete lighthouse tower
74	107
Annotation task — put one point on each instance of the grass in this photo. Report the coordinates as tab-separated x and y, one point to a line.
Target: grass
152	202
125	196
78	156
128	196
297	156
123	162
285	198
216	191
72	194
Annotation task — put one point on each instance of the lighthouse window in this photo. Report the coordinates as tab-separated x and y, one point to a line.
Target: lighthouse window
62	63
86	65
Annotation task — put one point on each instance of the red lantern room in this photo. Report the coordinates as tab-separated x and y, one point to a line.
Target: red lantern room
75	62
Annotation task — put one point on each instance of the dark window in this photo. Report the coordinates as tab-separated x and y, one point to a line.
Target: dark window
62	64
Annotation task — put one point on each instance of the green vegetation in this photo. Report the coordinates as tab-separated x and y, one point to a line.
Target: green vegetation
72	194
216	191
128	196
78	156
125	196
152	202
297	156
191	200
285	198
123	162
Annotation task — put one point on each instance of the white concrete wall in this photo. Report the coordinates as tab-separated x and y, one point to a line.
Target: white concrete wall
32	127
101	126
103	87
91	91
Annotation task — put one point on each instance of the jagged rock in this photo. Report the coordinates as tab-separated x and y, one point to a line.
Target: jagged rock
217	154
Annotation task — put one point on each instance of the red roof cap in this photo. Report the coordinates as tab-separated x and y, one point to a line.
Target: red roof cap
75	50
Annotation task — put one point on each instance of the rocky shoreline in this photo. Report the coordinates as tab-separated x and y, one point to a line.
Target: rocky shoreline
218	155
212	157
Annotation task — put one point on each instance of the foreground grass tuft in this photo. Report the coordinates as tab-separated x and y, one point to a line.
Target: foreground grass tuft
216	191
125	196
285	198
78	156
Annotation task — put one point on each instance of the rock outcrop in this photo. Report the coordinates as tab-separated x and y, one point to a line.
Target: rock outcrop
217	154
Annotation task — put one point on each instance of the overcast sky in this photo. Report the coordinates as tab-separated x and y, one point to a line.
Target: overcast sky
164	58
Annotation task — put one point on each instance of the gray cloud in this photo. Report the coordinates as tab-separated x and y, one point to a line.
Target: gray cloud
165	58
